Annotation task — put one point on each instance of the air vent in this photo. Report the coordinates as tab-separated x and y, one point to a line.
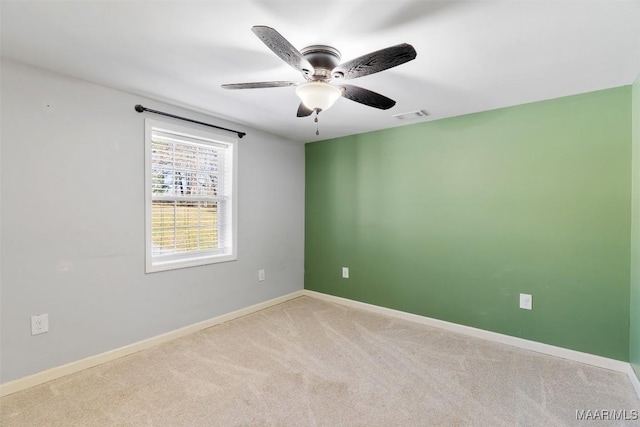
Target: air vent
411	115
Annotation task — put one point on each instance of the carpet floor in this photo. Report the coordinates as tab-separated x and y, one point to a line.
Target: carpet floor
308	362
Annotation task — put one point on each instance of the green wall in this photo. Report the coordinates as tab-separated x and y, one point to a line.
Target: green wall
452	219
634	337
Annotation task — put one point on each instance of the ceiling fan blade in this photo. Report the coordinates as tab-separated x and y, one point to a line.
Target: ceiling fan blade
257	85
367	97
375	62
281	47
303	111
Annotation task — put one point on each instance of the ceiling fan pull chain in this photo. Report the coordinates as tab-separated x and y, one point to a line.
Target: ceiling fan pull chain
316	120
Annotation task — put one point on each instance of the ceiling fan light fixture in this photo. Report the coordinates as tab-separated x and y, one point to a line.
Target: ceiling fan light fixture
318	95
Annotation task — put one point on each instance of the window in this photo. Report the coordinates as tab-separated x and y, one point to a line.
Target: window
190	196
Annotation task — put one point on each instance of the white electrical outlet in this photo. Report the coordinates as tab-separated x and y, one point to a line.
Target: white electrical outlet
526	301
345	272
39	324
261	275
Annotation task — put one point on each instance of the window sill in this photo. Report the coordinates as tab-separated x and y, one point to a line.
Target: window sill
175	264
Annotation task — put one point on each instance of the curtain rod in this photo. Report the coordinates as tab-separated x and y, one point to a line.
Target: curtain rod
140	109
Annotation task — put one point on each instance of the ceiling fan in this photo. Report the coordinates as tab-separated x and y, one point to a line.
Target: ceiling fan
320	64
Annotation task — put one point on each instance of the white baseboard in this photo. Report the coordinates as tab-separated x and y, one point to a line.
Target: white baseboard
564	353
89	362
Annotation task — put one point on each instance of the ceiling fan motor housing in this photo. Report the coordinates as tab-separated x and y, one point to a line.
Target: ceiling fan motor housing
323	59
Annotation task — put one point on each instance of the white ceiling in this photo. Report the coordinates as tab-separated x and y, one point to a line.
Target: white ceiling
472	55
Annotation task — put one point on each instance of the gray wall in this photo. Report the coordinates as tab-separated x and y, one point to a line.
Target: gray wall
72	239
634	309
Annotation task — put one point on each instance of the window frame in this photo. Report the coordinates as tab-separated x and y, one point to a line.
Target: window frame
193	258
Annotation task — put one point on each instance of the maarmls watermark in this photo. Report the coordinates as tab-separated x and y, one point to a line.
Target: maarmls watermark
607	414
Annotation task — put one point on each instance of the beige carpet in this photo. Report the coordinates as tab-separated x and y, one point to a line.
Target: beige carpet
308	362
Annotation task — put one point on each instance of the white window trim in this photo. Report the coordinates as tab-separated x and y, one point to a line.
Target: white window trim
197	258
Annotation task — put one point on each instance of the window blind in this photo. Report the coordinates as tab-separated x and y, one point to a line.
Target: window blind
190	195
